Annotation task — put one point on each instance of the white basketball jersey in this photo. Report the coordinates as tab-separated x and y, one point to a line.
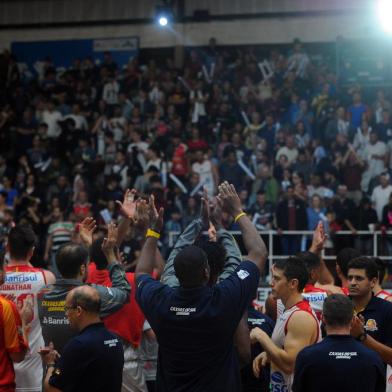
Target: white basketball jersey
20	283
281	381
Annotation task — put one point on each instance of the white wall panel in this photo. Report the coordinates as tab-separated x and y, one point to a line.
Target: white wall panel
253	31
49	11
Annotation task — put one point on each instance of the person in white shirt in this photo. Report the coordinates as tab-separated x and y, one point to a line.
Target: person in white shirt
51	117
80	120
375	153
290	150
381	193
362	138
110	92
198	99
208	175
153	158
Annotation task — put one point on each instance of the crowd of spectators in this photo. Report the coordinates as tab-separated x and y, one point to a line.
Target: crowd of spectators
297	144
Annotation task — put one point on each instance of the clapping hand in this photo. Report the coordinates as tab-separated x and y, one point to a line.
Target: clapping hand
205	208
155	216
228	199
109	243
86	229
48	354
357	326
129	204
142	218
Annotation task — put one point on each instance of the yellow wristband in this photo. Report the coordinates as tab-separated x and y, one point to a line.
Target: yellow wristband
152	233
240	215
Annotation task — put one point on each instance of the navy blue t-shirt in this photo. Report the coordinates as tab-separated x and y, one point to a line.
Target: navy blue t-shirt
378	320
249	382
195	329
339	364
92	361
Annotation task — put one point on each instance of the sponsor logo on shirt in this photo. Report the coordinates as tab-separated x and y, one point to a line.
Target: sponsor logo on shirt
314	297
371	325
278	383
343	354
111	342
277	377
21	278
55	321
242	274
254	321
182	311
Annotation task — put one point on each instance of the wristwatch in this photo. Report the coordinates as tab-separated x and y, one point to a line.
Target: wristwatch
362	337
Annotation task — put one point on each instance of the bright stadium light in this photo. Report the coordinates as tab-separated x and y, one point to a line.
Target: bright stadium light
163	21
384	10
163	16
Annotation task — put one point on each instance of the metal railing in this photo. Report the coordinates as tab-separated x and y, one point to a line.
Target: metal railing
305	234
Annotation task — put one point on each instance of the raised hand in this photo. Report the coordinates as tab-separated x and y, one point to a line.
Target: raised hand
216	215
228	199
128	206
319	238
205	207
156	217
86	229
142	217
110	242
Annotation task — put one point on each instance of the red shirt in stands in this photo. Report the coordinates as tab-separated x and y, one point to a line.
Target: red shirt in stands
179	161
11	341
128	321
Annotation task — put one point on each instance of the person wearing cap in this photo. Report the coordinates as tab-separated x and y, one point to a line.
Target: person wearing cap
339	362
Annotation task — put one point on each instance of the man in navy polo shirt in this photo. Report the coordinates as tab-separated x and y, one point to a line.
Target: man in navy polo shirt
91	361
339	362
373	326
195	323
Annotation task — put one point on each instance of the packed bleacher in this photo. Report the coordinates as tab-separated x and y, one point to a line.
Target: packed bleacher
72	141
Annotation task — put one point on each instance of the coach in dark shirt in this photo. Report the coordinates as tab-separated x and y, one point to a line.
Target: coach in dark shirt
91	361
195	323
339	363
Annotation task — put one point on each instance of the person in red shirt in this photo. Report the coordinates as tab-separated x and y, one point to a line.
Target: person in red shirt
179	160
13	338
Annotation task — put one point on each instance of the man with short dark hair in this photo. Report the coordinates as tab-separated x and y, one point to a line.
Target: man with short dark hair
343	258
296	328
71	260
22	282
372	326
339	362
195	323
92	360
